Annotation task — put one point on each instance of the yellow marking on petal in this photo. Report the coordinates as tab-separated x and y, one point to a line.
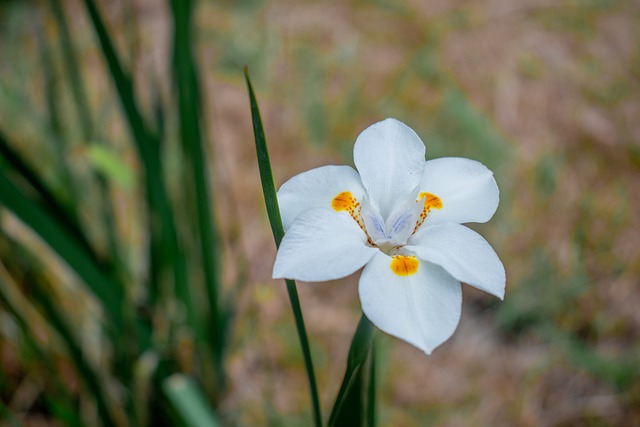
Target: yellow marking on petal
431	201
403	265
344	202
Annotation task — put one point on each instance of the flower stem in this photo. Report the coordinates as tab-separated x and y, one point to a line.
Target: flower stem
273	211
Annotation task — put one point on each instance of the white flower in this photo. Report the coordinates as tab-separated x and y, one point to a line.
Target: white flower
399	217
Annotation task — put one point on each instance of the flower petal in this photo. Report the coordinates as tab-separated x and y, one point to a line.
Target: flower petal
467	189
422	308
316	189
322	245
390	159
463	253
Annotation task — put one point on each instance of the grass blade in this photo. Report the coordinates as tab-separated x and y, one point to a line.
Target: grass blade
40	221
165	248
78	92
189	107
189	402
63	214
59	401
273	211
58	323
70	63
85	370
55	123
266	176
348	409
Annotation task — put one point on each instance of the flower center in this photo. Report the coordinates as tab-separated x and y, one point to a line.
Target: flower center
389	234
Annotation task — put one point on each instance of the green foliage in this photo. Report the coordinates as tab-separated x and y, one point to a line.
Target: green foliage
189	401
111	166
143	340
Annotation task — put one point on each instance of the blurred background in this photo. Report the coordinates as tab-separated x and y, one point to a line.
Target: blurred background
543	93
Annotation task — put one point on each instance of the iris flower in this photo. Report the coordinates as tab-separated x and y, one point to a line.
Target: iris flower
399	217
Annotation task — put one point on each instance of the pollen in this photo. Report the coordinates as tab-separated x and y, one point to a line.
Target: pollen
431	201
403	265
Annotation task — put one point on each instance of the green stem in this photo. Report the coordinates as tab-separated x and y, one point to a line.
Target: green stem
273	211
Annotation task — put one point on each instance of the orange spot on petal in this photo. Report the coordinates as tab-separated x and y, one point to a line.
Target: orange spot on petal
344	202
403	265
431	201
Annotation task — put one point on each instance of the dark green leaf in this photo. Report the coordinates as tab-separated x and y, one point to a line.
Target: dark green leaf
42	223
165	247
348	409
273	211
55	318
189	108
62	214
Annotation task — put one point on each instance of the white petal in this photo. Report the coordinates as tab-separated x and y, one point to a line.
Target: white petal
322	245
422	309
390	159
316	189
467	189
463	253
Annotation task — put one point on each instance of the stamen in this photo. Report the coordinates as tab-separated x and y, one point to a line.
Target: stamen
346	202
431	201
404	265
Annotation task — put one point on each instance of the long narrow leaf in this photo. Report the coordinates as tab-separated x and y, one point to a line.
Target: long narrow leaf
266	175
273	211
55	123
41	222
60	402
165	248
371	388
85	371
71	70
192	141
63	214
348	409
189	402
78	92
59	324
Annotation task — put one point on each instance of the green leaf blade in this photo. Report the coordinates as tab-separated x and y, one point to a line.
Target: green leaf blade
273	211
189	402
349	408
40	221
